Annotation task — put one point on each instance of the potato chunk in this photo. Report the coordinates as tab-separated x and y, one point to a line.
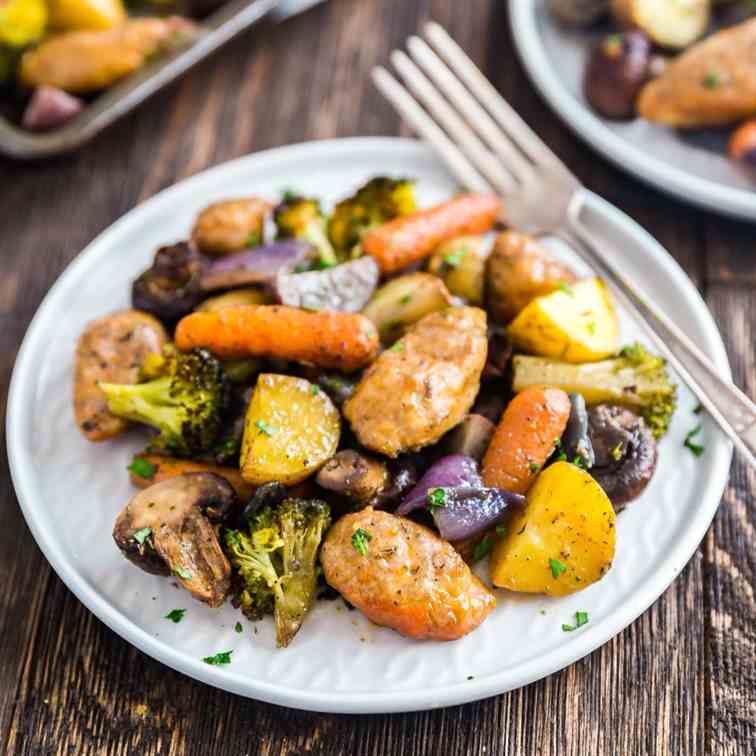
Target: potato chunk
230	226
575	324
672	23
562	541
291	430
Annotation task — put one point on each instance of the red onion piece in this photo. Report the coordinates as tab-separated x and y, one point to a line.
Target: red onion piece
448	472
469	511
50	108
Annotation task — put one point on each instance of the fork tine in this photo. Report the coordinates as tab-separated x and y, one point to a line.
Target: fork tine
459	131
520	133
473	112
424	125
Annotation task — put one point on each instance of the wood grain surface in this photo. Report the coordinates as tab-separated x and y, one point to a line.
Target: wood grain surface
680	680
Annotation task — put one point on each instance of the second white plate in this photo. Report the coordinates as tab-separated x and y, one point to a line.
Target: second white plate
694	168
71	491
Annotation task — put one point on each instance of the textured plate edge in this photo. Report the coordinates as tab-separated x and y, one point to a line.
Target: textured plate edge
402	701
691	189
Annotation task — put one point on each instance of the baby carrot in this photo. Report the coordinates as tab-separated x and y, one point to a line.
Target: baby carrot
340	340
410	238
525	438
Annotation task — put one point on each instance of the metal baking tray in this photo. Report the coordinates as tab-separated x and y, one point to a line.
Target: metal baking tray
227	22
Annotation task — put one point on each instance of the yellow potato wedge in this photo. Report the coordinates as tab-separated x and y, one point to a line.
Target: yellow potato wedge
562	541
461	264
575	324
291	430
74	15
235	298
672	23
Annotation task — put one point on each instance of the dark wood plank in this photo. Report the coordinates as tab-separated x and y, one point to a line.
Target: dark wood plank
677	681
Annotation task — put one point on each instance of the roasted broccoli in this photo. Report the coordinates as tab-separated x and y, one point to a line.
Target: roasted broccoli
185	400
636	378
301	218
380	200
276	562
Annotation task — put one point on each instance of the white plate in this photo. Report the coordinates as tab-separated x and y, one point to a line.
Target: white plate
694	168
70	490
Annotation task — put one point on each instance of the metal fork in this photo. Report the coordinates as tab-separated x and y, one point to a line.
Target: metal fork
489	148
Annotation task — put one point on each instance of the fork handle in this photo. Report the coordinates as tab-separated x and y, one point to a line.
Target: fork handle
733	411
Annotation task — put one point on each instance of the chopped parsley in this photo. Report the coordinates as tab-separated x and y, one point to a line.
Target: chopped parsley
534	468
288	195
238	627
697	449
501	530
591	328
314	390
566	288
142	468
223	657
360	540
578	461
482	549
263	427
254	239
712	80
581	618
142	535
617	452
405	299
698	409
301	268
397	347
454	259
182	573
557	567
436	498
175	615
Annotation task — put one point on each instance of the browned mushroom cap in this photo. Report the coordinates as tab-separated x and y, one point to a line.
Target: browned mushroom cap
625	452
166	529
354	475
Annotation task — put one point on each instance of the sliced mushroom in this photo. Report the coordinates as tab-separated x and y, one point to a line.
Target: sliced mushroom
167	529
354	475
625	452
471	437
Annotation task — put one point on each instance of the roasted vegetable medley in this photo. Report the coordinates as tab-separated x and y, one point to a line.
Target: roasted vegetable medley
368	402
56	55
685	64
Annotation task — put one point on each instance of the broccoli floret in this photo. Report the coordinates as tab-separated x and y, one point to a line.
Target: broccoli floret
185	401
301	218
380	200
654	388
276	562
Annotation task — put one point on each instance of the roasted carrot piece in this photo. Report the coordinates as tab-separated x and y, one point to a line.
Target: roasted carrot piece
168	467
525	438
410	238
340	340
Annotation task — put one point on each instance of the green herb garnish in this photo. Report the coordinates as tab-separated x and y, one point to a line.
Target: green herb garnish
397	347
436	498
314	390
698	409
182	573
534	468
142	468
175	615
712	80
405	299
557	567
697	449
581	618
360	540
238	627
223	657
482	549
263	427
501	530
566	288
142	535
454	259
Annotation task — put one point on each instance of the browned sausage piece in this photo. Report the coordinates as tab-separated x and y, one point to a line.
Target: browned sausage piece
230	226
111	349
402	575
423	385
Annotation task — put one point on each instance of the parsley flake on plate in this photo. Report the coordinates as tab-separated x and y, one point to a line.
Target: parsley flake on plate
482	549
238	627
581	618
175	615
697	449
436	498
223	657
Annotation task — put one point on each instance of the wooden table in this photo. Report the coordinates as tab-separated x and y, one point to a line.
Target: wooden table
681	680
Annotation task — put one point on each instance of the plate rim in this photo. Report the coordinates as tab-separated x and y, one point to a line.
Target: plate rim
691	189
20	393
